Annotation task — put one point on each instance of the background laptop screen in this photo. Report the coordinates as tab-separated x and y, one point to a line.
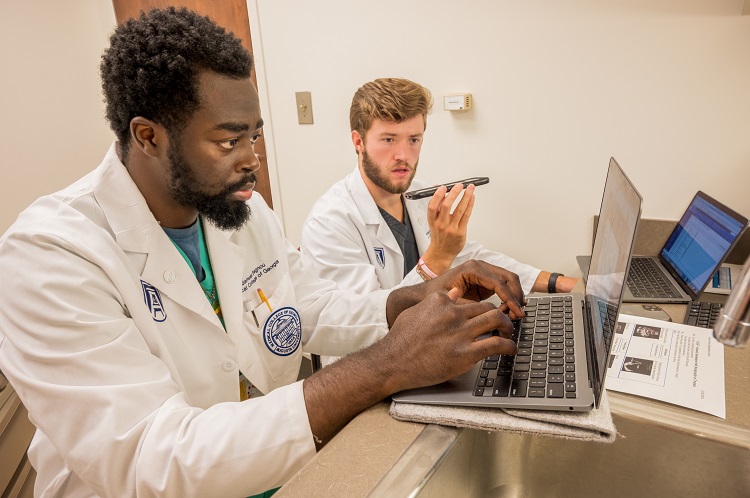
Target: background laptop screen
701	240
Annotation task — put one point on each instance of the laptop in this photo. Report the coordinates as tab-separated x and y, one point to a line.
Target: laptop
692	255
564	340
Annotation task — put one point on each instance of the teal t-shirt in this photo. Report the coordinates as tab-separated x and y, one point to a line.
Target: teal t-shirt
191	244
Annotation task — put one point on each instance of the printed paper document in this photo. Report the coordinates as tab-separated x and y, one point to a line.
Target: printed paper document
667	361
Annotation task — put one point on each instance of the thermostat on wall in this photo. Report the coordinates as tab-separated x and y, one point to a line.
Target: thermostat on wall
457	102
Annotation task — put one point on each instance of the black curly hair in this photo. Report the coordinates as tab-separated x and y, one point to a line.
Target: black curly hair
150	68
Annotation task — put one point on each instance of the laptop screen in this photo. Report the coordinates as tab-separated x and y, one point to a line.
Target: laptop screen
610	260
700	241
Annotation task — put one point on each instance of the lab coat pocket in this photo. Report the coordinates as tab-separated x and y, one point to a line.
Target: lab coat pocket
278	334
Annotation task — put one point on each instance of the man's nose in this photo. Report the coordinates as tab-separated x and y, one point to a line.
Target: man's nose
402	152
249	159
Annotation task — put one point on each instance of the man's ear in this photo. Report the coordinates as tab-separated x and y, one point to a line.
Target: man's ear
358	141
149	137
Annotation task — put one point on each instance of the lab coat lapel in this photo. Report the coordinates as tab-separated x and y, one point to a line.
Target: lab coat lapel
418	218
377	228
227	263
167	271
137	232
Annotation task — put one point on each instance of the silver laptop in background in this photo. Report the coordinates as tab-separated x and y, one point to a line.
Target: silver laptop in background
691	256
565	339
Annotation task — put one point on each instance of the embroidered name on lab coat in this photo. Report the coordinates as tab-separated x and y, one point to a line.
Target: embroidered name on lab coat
152	298
380	256
257	273
283	331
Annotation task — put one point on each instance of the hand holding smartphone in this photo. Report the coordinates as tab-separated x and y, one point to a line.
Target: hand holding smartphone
429	191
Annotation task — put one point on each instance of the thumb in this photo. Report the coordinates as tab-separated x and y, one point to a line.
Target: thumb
454	294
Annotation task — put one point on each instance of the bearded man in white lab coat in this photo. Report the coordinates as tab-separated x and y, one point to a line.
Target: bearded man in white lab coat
365	236
140	301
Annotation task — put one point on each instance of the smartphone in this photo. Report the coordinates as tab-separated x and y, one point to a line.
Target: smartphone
646	311
429	191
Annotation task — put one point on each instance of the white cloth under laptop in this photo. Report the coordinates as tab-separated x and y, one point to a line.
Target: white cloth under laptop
594	425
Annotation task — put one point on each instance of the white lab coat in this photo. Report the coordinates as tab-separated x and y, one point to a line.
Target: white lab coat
125	369
351	244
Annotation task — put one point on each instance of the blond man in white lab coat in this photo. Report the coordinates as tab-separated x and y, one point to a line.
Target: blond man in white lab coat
365	236
154	316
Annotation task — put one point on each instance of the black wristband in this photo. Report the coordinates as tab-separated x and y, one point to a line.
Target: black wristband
552	282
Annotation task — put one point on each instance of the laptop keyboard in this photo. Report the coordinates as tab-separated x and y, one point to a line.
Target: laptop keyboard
645	279
702	314
608	316
545	364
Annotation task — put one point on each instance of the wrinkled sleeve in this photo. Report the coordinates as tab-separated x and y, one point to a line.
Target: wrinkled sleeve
335	319
338	254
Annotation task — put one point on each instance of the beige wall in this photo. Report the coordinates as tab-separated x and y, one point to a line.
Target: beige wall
558	88
52	129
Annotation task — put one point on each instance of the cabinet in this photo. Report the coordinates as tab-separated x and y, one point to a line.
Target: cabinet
16	475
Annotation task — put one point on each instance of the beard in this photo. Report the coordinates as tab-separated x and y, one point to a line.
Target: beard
375	173
218	209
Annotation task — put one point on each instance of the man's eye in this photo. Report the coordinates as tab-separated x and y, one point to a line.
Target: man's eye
388	140
255	138
415	140
229	144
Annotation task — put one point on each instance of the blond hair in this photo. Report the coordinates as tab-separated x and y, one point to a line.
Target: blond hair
389	99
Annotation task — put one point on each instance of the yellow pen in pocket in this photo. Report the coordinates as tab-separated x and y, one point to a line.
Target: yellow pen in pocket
264	299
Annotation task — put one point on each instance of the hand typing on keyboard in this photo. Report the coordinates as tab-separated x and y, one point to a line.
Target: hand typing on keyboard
545	363
439	339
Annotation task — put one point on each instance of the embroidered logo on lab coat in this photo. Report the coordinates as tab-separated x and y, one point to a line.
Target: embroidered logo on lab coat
380	256
152	298
282	332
